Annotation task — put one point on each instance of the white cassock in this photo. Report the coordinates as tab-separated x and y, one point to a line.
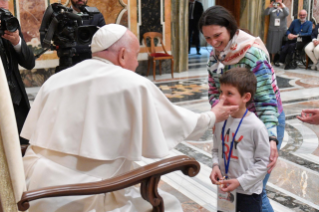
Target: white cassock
91	122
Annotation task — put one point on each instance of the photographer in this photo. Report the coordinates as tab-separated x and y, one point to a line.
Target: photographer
83	52
278	14
14	51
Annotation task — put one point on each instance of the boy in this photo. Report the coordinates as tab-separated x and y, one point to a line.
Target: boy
248	148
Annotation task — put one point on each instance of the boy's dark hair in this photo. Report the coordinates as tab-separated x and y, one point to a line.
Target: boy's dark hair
218	15
241	78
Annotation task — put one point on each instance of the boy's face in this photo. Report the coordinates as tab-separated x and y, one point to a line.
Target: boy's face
232	96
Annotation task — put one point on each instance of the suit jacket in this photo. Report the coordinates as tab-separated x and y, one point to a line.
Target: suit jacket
314	34
198	11
26	59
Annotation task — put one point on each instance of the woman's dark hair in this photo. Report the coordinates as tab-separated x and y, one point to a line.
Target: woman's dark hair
218	15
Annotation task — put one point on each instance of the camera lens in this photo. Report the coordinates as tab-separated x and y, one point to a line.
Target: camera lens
12	24
84	35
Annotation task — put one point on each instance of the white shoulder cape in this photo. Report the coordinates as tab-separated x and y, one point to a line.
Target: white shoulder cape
101	111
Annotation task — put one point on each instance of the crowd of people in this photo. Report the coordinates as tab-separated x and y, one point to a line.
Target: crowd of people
93	120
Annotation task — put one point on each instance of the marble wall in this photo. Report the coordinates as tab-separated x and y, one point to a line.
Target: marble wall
314	11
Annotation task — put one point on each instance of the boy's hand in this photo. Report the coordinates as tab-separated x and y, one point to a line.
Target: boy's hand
229	185
215	175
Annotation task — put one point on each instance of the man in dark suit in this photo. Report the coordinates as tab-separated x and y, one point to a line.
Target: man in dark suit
14	51
83	52
195	12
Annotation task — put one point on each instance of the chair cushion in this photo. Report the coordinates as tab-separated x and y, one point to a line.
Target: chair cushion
160	55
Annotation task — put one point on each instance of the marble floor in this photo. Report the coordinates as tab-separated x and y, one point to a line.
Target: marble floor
294	183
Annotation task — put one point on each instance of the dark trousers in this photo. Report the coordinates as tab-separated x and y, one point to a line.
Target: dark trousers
248	203
288	48
193	34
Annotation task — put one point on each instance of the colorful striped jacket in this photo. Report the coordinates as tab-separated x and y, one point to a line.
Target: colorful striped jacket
267	103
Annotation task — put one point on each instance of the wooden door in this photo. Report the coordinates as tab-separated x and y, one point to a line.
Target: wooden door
231	5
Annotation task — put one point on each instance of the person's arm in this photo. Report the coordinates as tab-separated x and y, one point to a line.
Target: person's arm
261	158
291	28
207	120
307	29
314	33
265	98
23	54
267	11
310	116
285	10
215	174
25	57
216	143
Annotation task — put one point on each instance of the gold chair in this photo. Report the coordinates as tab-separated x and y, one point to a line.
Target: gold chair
13	193
153	55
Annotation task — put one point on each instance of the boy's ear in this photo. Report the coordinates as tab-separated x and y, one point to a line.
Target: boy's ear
247	97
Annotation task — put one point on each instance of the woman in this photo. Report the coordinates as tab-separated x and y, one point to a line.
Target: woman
235	48
278	13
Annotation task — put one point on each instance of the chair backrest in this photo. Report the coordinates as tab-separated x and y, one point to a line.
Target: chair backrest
12	178
152	36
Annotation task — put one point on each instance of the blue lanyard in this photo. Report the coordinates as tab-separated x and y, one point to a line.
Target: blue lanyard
232	143
277	13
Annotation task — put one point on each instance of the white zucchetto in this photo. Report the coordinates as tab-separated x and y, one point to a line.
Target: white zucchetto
106	36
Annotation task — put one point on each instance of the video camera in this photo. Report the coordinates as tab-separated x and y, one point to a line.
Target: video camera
8	21
64	28
275	4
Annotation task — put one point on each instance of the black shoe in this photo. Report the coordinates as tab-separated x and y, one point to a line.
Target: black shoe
198	53
288	67
277	64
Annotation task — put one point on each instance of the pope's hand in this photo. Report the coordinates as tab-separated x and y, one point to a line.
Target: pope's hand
222	112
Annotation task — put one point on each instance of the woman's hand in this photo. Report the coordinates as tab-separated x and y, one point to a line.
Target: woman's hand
273	156
215	175
280	5
222	112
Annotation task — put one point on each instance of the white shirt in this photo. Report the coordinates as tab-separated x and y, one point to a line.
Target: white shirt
250	155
